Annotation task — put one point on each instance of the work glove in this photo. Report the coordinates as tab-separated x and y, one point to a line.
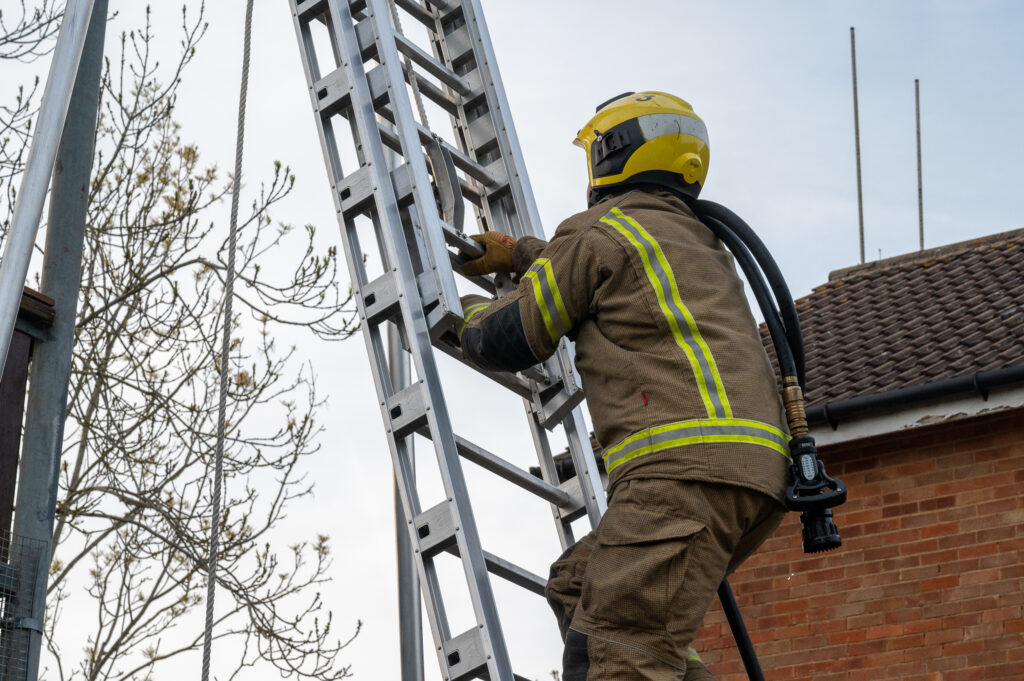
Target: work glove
497	257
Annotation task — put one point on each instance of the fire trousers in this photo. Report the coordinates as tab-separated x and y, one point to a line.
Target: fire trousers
631	595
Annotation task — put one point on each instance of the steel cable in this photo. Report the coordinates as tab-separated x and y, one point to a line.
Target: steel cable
229	288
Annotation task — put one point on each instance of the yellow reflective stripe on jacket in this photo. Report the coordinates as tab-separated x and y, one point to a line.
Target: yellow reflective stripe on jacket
696	431
692	655
549	299
468	314
684	327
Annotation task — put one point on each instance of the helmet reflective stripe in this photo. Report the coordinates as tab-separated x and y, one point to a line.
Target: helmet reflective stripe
696	431
658	125
549	298
680	321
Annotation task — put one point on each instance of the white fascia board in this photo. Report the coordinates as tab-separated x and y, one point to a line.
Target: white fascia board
929	413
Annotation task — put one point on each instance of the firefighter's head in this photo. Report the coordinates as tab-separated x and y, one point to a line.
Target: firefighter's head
645	138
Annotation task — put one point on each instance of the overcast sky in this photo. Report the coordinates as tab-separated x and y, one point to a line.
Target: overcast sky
772	82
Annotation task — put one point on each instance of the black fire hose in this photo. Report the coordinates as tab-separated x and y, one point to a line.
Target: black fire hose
811	490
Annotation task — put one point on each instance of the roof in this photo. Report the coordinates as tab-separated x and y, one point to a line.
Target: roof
919	318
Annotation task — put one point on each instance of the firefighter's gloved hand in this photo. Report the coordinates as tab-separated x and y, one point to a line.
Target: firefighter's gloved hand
497	257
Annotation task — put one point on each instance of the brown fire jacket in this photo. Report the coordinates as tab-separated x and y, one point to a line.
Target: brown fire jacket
675	376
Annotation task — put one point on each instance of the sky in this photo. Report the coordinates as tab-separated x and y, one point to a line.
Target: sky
772	81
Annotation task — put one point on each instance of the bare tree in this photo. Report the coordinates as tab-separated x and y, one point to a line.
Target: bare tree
135	502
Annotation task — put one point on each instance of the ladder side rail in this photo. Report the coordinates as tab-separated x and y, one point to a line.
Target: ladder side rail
400	448
549	473
580	448
497	102
498	211
488	642
412	153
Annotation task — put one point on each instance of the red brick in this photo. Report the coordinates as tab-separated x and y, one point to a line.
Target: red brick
977	550
932	638
938	530
940	582
963	648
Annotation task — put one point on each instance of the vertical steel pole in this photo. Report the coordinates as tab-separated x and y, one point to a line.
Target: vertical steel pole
28	207
51	366
856	138
410	619
920	188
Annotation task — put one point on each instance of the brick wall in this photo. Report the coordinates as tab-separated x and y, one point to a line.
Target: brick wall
929	583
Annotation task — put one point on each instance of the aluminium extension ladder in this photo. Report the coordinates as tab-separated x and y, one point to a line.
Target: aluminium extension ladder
360	87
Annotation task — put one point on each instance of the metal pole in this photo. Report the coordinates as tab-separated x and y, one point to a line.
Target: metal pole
856	137
920	189
62	270
28	207
410	617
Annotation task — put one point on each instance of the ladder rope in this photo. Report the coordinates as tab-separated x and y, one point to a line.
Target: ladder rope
229	289
408	68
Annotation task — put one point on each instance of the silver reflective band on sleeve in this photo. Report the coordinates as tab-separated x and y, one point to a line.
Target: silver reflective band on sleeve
549	299
658	125
697	431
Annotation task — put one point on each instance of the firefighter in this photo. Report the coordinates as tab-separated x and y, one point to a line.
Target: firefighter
683	398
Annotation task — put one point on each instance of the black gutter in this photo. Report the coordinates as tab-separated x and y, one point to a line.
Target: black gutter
980	383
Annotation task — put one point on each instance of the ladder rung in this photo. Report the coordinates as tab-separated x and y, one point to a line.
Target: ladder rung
436	94
407	410
355	191
461	160
507	570
307	10
481	133
435	530
417	12
378	82
556	407
433	67
512	473
572	488
517	575
459	43
466	655
519	384
333	93
380	298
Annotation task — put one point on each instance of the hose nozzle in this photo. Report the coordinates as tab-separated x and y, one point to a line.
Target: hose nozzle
814	493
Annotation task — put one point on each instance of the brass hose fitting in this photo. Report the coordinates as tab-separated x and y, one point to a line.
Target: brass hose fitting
793	399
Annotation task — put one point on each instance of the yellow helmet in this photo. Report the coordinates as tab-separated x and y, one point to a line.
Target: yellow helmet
645	137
